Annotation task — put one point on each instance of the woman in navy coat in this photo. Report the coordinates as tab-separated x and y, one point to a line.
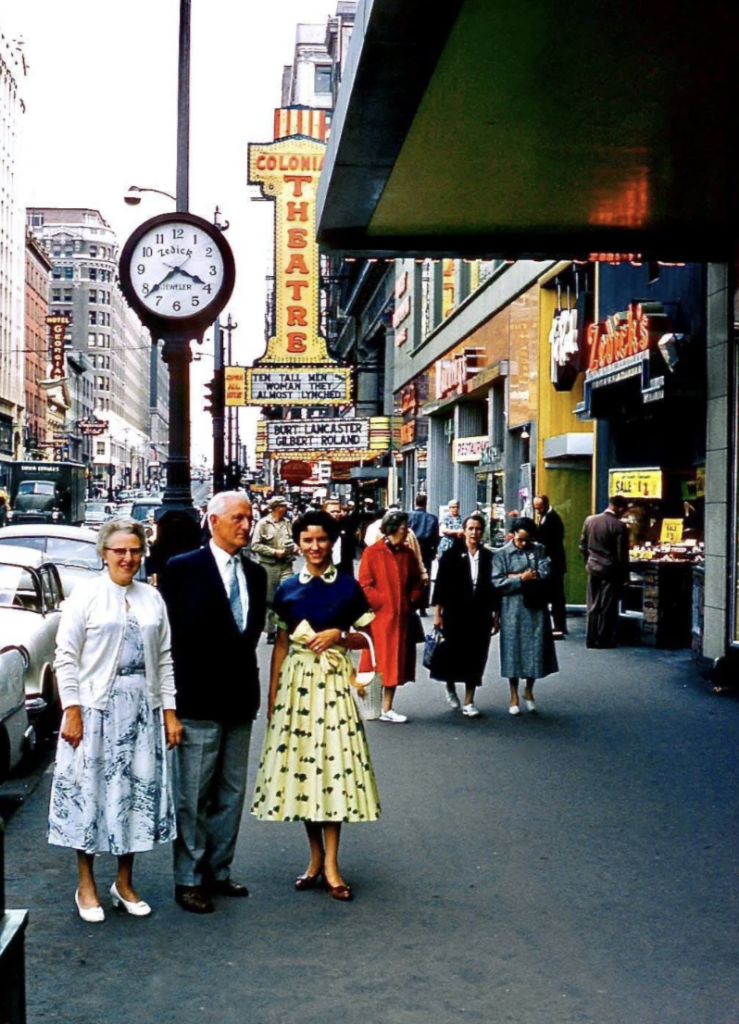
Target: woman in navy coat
466	611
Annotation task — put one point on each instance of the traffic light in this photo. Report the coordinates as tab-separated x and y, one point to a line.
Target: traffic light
214	397
210	396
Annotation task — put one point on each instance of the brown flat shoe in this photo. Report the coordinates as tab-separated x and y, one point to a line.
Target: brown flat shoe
307	881
192	899
340	892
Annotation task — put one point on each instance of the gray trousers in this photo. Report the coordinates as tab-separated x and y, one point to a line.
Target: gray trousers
209	774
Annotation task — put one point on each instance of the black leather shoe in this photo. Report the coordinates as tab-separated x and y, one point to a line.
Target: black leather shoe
227	887
193	899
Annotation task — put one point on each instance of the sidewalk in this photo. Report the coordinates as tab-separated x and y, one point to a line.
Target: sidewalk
578	865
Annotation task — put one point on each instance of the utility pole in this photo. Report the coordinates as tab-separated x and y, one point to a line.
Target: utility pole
231	472
183	111
218	410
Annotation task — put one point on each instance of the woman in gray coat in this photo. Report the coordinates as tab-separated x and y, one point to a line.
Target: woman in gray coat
526	643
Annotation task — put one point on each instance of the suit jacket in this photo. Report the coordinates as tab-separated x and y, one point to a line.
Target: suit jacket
426	528
605	546
215	664
551	533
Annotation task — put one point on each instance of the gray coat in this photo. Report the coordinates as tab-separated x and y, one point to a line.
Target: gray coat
526	644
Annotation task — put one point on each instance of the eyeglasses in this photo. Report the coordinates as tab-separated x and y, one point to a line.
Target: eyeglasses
122	552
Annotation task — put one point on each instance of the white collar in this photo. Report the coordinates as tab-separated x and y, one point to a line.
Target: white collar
221	556
328	576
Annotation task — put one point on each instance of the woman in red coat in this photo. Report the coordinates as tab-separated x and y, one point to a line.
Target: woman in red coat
391	580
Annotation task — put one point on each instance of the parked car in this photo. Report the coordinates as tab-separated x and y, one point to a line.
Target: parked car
123	508
30	609
142	506
96	513
72	549
17	737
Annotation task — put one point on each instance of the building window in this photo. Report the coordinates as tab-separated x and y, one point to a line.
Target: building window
57	273
92	317
100	447
93	250
92	339
93	274
93	295
68	273
67	294
56	295
323	79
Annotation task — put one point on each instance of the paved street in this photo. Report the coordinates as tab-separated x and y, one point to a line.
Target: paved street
575	866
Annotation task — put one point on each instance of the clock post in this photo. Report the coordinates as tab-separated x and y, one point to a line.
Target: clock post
177	272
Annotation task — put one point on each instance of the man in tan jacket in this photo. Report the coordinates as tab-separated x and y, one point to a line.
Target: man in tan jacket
275	549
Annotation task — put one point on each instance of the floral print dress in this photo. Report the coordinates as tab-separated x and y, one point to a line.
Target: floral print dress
315	762
111	794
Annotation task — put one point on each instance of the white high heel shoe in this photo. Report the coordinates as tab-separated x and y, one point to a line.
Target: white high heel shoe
140	909
93	915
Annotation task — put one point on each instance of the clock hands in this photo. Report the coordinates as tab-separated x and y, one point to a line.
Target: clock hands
171	274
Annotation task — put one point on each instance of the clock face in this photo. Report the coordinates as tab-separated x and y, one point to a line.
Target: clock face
176	269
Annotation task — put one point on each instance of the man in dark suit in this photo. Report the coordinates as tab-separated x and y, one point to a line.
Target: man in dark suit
345	545
216	599
604	545
425	526
550	531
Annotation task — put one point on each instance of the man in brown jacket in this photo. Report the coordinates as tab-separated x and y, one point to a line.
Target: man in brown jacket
605	547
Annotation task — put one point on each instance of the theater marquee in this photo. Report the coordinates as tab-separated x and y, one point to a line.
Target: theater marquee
288	172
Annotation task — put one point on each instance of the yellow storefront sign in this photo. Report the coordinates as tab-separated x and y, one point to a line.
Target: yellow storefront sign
234	378
671	532
635	483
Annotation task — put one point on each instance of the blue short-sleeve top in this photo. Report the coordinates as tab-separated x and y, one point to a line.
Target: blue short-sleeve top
335	601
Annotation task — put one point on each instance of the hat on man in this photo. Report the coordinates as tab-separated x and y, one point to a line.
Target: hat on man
277	501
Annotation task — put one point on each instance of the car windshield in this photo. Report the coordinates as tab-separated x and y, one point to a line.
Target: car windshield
141	512
95	506
73	552
18	589
36	487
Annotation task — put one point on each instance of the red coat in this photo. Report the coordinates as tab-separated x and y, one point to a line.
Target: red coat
391	581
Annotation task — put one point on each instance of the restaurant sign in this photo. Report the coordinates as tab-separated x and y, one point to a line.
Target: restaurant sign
635	483
469	449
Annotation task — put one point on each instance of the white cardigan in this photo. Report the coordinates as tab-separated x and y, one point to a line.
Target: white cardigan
90	638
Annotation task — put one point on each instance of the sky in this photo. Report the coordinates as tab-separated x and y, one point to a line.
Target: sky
101	109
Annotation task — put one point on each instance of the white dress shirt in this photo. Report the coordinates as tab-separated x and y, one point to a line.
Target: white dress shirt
224	561
474	566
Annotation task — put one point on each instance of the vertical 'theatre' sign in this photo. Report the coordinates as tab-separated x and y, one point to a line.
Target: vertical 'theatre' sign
288	172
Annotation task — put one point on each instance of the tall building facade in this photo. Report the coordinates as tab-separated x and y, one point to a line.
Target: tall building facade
12	238
37	440
83	249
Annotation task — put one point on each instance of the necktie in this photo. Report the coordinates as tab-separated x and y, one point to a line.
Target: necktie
234	596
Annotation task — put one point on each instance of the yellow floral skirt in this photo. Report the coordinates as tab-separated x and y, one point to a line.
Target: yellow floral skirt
315	762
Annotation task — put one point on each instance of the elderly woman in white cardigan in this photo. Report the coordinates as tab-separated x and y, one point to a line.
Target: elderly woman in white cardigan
110	791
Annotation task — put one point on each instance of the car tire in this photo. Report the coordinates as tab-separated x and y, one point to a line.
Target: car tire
4	754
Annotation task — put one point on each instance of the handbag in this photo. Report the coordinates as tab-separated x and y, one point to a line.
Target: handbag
535	593
367	688
431	642
436	655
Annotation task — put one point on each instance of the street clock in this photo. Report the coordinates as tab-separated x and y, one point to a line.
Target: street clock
177	272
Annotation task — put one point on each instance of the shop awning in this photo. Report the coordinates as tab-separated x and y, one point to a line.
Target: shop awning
485	128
